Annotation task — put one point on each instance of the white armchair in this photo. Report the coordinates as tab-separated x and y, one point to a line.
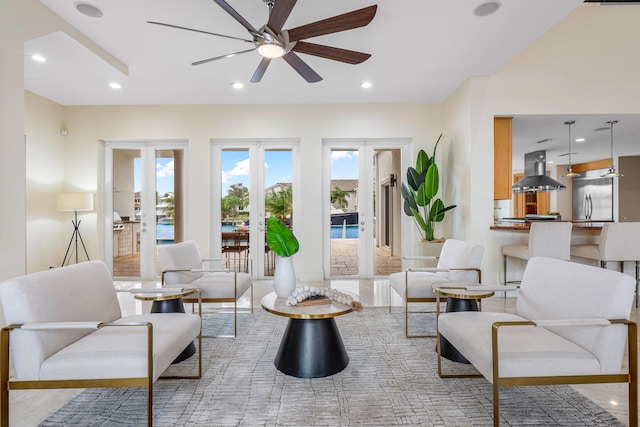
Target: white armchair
182	264
570	327
459	261
65	330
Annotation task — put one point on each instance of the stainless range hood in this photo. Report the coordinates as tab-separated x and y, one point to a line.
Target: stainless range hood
535	175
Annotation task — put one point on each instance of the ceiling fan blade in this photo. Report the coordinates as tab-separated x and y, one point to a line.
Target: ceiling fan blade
302	68
198	31
262	67
279	14
329	52
228	55
347	21
231	11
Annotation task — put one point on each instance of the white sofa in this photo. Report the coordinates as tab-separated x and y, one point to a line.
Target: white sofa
65	330
570	326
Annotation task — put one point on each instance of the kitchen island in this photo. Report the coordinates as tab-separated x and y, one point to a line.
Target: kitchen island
525	226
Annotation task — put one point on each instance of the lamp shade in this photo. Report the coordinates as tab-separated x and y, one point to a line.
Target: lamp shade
75	201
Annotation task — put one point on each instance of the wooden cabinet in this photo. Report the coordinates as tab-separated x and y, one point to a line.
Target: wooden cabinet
502	158
529	203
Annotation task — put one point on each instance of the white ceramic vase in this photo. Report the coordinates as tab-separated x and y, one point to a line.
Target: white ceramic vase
284	278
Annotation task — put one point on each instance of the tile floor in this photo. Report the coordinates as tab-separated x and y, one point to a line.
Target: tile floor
29	408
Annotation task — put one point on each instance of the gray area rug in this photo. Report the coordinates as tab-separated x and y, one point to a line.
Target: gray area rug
390	380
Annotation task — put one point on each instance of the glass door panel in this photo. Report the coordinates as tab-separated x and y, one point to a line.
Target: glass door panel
277	196
235	207
126	212
343	205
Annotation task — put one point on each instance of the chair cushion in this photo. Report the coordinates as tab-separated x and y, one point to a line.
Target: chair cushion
524	351
586	251
76	293
121	352
516	251
219	285
180	256
555	289
460	254
419	286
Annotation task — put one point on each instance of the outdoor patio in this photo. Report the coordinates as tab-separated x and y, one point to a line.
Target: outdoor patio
344	261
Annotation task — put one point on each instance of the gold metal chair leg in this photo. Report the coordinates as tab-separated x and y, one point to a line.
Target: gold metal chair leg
496	404
4	378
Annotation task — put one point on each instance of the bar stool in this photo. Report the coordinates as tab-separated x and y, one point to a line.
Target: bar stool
619	242
549	239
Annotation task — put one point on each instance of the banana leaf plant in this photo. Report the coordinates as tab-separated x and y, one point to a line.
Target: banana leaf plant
280	238
419	194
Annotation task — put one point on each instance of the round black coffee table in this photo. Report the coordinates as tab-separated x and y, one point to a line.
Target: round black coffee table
311	346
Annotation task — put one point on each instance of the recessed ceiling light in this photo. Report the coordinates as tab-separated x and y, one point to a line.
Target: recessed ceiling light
88	10
237	85
365	85
114	85
38	58
487	8
550	161
580	140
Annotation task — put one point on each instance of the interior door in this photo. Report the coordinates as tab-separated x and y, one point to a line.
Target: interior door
143	203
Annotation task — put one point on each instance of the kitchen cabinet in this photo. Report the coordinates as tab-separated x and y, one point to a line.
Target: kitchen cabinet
629	189
529	203
502	133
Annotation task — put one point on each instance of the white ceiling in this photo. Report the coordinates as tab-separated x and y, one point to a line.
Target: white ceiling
422	50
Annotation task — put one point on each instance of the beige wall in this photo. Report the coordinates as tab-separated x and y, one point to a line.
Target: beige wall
45	151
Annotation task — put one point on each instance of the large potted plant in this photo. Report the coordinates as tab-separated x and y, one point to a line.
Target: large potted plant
283	243
419	194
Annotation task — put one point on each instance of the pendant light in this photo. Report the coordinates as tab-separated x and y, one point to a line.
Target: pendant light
612	170
570	173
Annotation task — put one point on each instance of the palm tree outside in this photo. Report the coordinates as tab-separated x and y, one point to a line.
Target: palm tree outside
339	198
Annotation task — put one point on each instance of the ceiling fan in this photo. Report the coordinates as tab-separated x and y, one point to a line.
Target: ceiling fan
271	41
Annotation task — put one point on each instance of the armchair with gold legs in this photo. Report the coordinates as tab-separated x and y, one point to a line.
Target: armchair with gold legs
571	324
182	264
459	261
65	330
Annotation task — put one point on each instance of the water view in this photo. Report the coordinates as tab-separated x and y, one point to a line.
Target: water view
165	235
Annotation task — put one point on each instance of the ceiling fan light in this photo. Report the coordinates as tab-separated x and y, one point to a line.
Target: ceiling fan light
271	50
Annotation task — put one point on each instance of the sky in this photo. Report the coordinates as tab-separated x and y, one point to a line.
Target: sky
236	168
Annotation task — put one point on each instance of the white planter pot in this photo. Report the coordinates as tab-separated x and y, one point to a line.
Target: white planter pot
284	278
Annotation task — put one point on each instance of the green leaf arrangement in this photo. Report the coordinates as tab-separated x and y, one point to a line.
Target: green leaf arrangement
280	238
419	194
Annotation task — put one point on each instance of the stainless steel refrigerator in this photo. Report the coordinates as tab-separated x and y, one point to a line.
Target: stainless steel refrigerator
593	198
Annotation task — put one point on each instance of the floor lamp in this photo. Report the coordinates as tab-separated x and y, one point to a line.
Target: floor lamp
75	202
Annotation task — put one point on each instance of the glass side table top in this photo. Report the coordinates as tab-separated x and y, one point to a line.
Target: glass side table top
161	294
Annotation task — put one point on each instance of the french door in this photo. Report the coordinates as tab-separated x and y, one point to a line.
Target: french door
252	180
143	204
363	215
